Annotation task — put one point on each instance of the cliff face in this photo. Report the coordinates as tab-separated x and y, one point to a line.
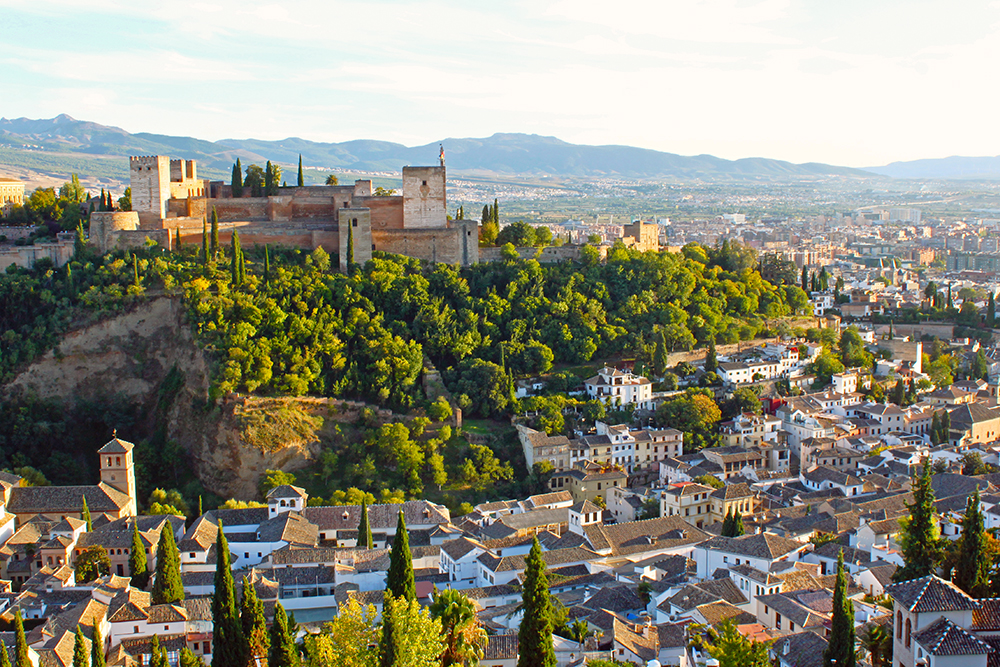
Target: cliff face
231	444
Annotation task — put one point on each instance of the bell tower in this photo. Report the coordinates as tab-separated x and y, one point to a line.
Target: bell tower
118	469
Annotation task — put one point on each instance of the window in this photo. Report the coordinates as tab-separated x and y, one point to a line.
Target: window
908	628
777	621
118	460
135	629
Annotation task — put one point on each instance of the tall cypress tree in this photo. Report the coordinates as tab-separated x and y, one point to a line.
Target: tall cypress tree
840	649
20	643
365	528
972	573
283	651
727	525
269	185
238	179
138	567
204	242
919	537
991	312
177	241
935	429
4	656
254	625
85	515
350	249
267	264
738	528
80	657
135	273
496	211
167	587
535	636
96	647
229	649
711	359
487	214
805	279
302	181
215	234
945	426
156	653
234	261
399	580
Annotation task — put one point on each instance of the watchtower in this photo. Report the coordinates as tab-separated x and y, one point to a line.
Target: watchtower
118	469
424	197
150	180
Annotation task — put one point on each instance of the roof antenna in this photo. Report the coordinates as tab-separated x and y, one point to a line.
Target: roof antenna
114	433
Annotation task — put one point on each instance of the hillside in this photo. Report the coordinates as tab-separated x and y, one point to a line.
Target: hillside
46	144
969	168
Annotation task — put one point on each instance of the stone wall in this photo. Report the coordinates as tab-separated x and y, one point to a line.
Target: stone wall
450	245
105	225
424	197
15	233
150	182
386	212
357	223
59	252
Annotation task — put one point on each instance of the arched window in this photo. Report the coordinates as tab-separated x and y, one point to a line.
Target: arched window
907	633
899	625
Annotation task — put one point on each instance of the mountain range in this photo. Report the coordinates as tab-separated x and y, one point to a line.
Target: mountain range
66	144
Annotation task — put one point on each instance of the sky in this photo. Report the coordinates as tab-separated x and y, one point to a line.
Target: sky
847	82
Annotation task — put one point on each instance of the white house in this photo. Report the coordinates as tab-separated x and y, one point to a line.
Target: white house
616	387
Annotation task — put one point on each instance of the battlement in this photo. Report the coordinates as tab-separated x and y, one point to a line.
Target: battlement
183	170
136	162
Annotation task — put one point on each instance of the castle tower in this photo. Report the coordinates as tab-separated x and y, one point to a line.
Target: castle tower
149	177
118	469
425	198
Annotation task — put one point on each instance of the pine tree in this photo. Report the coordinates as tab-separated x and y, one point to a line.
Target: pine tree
535	635
972	573
254	625
96	647
238	179
919	536
267	264
215	234
167	587
85	515
711	360
365	528
840	651
283	652
138	568
229	649
80	657
350	250
20	643
399	580
302	181
991	312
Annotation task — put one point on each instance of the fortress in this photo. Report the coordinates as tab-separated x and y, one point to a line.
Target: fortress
168	199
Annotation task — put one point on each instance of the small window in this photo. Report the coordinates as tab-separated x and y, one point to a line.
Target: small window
118	460
425	182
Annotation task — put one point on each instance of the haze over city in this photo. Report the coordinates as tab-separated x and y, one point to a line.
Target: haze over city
849	83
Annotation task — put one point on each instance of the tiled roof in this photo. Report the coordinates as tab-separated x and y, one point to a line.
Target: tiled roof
381	517
732	491
987	617
286	491
501	647
931	594
290	527
717	612
67	499
116	446
757	545
942	637
619	599
805	649
634	537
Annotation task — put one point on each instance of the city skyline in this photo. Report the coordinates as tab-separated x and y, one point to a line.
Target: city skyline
851	85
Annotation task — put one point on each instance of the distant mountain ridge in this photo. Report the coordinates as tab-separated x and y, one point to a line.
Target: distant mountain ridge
501	153
956	166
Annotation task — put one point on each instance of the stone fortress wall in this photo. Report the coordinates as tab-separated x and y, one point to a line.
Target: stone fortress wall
169	200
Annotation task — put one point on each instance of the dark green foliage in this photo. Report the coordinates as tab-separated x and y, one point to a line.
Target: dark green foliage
204	242
92	563
85	515
189	658
350	251
919	536
991	312
237	268
167	586
365	529
738	528
840	652
711	360
399	579
138	567
237	181
214	249
972	571
5	657
267	264
229	648
254	625
96	647
535	647
283	650
20	643
80	657
79	243
301	180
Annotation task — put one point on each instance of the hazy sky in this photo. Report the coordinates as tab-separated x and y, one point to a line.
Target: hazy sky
852	82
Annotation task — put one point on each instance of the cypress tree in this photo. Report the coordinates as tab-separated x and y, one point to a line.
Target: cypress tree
840	650
302	181
350	249
204	242
399	581
814	283
96	647
4	656
135	270
269	185
103	205
972	573
945	426
991	312
254	625
661	356
85	515
487	214
951	304
535	635
238	179
200	512
711	360
805	279
138	568
215	234
365	528
20	643
178	241
167	587
919	537
80	242
80	657
738	528
234	261
155	653
267	264
727	525
229	649
283	652
935	429
496	211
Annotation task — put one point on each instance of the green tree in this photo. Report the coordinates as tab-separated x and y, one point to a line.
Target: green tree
464	637
272	479
332	179
711	359
918	538
841	649
535	647
520	234
709	480
661	355
236	261
253	625
805	278
79	243
237	179
349	640
205	252
254	180
188	658
80	657
167	586
350	251
229	647
991	312
365	529
85	515
267	265
283	650
125	201
727	645
138	567
440	410
972	464
20	643
215	235
301	180
975	562
92	563
419	643
97	658
980	368
399	579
